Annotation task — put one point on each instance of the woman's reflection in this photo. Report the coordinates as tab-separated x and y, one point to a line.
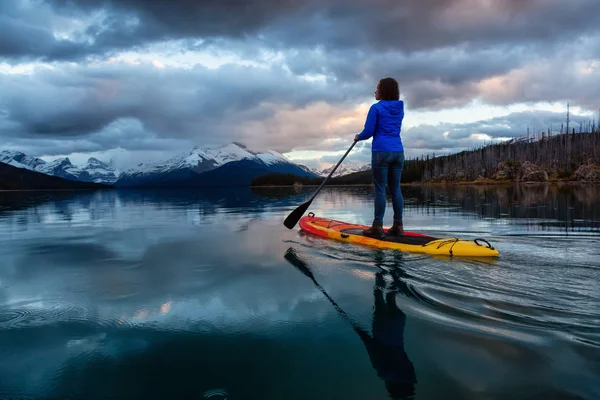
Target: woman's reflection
386	343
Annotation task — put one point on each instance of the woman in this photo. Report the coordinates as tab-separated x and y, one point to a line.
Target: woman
384	123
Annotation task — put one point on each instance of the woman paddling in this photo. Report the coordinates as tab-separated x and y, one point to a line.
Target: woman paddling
384	123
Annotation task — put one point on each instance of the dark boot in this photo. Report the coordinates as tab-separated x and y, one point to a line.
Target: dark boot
397	229
375	231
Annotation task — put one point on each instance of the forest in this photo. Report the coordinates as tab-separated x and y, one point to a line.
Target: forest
541	157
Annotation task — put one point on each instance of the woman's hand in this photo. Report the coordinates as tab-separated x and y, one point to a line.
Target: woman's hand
356	138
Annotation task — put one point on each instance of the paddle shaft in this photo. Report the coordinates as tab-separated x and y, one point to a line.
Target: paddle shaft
293	218
332	171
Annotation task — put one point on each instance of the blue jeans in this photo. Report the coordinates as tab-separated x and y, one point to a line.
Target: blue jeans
387	168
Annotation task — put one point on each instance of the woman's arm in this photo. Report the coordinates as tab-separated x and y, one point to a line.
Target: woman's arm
370	124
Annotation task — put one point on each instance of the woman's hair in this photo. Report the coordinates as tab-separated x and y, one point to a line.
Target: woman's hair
388	89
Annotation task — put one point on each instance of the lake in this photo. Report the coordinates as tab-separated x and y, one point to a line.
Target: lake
200	294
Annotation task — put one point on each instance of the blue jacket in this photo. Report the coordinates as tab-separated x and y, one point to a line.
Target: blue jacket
384	123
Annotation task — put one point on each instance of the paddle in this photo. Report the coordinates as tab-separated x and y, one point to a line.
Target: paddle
295	215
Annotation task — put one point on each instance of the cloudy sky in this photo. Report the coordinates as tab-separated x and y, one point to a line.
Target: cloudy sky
137	80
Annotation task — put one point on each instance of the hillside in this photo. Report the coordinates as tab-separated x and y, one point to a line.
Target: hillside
537	158
573	156
13	178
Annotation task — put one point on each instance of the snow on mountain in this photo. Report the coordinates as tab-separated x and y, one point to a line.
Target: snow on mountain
15	163
343	169
230	152
272	157
205	159
94	171
60	167
305	168
197	160
23	178
237	151
231	164
20	160
100	172
182	168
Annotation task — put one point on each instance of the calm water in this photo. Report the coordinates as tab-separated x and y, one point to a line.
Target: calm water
205	295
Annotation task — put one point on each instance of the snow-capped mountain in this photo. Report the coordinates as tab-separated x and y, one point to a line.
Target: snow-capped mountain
197	160
20	160
63	168
343	169
20	178
305	168
100	172
93	171
232	164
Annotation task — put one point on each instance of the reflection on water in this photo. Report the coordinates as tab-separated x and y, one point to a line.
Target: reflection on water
545	206
386	343
571	208
204	294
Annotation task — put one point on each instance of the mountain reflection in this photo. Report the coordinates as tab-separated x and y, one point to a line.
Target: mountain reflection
566	207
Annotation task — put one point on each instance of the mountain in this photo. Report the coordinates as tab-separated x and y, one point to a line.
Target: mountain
20	160
344	169
18	178
230	165
100	172
305	168
241	173
63	168
93	171
181	167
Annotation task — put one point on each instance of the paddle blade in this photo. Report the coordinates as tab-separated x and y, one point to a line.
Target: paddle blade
295	215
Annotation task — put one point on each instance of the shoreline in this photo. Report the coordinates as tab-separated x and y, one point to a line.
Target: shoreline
466	183
412	184
50	190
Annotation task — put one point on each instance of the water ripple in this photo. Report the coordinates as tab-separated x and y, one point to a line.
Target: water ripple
478	293
101	294
34	315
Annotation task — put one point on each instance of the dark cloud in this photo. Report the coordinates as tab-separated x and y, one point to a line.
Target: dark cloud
141	107
351	44
314	62
124	134
122	25
369	26
201	104
26	32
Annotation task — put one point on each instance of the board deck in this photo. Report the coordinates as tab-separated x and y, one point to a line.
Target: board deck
407	239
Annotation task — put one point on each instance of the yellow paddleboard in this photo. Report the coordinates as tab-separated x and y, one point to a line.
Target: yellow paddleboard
411	242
